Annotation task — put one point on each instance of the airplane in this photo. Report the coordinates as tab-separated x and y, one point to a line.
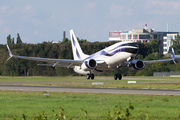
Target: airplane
116	56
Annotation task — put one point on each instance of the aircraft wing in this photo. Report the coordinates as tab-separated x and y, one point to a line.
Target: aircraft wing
173	57
154	61
52	62
177	57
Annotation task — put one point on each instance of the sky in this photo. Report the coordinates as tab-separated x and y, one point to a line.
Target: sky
37	21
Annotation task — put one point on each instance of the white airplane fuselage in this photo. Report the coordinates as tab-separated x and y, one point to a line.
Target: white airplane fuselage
110	57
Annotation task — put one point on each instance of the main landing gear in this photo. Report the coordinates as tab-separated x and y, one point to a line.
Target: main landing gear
117	76
88	76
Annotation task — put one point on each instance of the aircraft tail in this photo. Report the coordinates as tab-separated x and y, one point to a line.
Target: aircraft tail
77	51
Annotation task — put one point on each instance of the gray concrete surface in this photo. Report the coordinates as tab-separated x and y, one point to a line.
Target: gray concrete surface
90	90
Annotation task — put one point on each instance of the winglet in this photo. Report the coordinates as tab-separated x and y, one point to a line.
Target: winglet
173	53
9	53
173	56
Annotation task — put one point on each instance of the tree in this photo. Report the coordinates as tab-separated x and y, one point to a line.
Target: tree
66	40
9	39
81	40
143	50
19	41
12	41
153	46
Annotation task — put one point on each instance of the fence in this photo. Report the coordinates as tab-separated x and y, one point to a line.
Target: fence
175	73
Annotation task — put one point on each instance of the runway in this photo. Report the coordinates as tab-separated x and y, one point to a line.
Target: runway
91	90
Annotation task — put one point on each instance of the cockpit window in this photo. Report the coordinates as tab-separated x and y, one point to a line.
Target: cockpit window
131	50
130	44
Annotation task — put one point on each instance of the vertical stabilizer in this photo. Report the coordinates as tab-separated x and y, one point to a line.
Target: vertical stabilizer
77	51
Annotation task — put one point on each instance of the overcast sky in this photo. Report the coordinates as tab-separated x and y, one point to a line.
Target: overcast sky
45	20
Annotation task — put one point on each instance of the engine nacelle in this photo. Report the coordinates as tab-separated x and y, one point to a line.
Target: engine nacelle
89	64
136	65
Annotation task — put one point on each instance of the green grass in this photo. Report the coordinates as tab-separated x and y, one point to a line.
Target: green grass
32	104
142	82
34	79
79	79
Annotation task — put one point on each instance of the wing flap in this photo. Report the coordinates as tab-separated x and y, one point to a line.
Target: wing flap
58	65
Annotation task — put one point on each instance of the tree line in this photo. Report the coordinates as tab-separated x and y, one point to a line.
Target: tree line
11	41
63	50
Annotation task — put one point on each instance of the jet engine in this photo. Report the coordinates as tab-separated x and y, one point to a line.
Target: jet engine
135	65
89	64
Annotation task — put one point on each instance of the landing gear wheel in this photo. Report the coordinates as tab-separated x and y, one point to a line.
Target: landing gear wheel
92	76
88	76
115	76
120	76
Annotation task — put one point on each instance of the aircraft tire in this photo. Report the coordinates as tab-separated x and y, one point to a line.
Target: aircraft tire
115	76
120	76
88	76
92	76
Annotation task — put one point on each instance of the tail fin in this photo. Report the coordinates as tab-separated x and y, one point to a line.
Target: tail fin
77	51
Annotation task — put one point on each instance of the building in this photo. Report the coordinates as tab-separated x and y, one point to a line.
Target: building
144	35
